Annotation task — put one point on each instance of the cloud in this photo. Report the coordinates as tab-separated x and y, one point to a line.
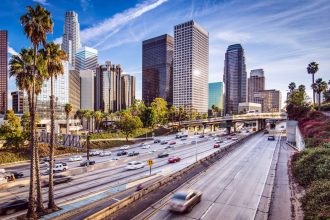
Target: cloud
85	4
231	36
99	33
12	51
42	2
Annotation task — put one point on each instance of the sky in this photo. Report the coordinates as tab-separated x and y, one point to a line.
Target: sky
280	36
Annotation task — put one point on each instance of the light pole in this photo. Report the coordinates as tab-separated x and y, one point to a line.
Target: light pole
196	149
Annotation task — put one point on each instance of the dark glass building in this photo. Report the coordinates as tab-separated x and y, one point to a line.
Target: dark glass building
235	78
157	69
3	70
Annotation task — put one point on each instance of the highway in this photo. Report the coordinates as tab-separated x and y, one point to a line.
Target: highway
231	188
101	179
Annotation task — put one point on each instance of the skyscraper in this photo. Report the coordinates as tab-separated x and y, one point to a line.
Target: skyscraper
234	78
270	100
71	36
256	82
3	71
86	59
74	89
191	67
216	95
127	90
87	92
157	69
108	87
18	101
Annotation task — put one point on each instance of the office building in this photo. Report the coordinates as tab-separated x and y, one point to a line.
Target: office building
235	78
157	69
86	59
18	101
249	107
191	67
71	36
127	90
216	96
108	87
74	90
3	71
256	82
270	100
87	93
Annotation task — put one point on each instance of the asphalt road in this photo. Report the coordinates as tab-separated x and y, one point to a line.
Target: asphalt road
231	188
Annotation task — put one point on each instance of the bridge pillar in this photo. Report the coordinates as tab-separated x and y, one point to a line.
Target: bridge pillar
212	127
195	128
203	128
228	126
234	125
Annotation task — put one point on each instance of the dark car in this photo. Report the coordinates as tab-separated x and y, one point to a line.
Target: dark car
133	153
157	141
46	160
17	174
271	138
164	142
266	132
58	179
121	153
163	154
87	163
13	206
201	136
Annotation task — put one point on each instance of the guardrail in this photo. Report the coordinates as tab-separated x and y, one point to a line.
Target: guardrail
137	195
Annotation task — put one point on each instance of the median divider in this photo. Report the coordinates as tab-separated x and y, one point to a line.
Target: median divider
206	161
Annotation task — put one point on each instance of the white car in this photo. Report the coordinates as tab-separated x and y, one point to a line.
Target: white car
115	158
75	158
152	151
59	167
105	153
134	165
146	146
94	153
125	147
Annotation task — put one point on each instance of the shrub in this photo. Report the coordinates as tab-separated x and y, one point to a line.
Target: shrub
316	201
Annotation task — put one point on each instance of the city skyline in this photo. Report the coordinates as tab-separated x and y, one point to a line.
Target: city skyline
283	58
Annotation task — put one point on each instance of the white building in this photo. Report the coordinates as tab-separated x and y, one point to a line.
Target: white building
249	107
86	59
71	36
87	89
191	67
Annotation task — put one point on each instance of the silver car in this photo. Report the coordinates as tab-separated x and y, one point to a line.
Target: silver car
184	201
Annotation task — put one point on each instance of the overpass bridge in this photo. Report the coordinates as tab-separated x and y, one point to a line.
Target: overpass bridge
230	121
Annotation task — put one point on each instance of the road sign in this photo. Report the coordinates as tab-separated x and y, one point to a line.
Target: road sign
150	162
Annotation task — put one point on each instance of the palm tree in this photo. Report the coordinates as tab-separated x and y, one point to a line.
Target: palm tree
292	86
98	118
318	87
301	88
36	24
312	68
88	115
68	110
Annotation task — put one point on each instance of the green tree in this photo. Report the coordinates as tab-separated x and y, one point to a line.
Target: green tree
159	105
149	117
297	103
137	107
88	115
128	123
292	86
98	118
312	68
12	131
68	110
319	87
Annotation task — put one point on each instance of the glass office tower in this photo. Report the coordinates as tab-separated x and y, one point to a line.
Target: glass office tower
216	95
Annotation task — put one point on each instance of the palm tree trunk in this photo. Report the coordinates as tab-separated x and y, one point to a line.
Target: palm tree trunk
67	124
319	101
51	201
313	91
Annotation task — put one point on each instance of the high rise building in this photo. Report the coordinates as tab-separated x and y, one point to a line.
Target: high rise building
127	90
157	69
74	89
86	59
3	71
234	78
108	87
256	82
270	100
71	36
18	101
87	92
216	96
191	67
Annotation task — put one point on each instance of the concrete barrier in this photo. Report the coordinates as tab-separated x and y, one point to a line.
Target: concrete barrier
137	195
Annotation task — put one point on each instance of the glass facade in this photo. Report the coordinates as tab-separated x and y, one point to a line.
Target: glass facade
216	95
86	59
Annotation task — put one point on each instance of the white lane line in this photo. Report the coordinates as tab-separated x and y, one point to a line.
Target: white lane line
116	199
209	208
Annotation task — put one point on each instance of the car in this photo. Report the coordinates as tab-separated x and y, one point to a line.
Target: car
271	138
185	135
163	154
11	207
228	138
75	158
174	159
133	153
266	132
2	170
232	134
105	153
16	174
94	153
146	146
59	167
125	147
247	131
172	143
121	153
133	165
163	142
201	136
219	141
183	139
282	126
152	151
114	158
169	147
87	163
193	142
235	139
184	201
157	141
58	179
216	145
178	136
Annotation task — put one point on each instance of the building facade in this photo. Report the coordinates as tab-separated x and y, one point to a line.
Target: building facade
249	107
191	67
71	36
127	91
157	69
256	82
216	96
87	92
74	89
235	78
3	71
86	59
270	100
18	101
108	87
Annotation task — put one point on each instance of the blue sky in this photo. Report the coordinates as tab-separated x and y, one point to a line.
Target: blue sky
280	36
